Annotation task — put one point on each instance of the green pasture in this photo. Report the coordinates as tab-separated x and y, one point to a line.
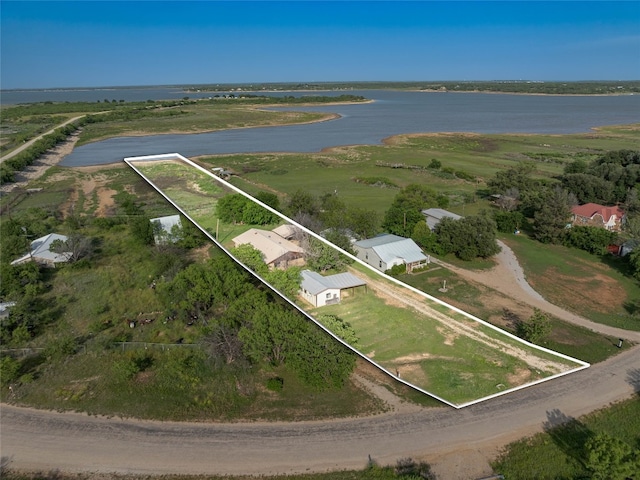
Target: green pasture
478	156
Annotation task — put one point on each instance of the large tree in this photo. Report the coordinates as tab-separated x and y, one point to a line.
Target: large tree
468	237
405	211
551	219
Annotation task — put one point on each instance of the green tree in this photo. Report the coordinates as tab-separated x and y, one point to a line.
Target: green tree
319	360
590	239
254	214
270	334
508	222
551	220
468	237
518	177
406	209
251	257
286	281
609	458
142	229
536	328
340	328
230	208
302	202
322	257
425	238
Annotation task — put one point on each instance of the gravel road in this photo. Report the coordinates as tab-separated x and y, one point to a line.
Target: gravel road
72	442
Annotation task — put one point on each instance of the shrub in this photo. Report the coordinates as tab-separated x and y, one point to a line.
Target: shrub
275	384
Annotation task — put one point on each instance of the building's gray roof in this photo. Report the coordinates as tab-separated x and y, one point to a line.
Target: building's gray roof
314	283
40	250
390	247
168	222
434	215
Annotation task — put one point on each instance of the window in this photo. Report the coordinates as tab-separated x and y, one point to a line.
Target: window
328	295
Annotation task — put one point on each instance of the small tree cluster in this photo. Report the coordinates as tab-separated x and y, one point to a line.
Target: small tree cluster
468	237
236	208
536	328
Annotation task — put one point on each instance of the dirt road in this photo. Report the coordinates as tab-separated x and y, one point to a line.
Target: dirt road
508	278
80	443
26	145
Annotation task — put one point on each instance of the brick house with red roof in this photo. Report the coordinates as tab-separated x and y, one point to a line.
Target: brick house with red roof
594	215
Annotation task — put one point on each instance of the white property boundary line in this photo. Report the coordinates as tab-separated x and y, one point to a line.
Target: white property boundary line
176	156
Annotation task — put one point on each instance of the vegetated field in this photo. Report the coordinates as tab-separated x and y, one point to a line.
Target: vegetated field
468	160
440	351
196	117
560	452
580	282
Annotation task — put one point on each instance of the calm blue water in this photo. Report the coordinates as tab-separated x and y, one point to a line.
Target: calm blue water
368	124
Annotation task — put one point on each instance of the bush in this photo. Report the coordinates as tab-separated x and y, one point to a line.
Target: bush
9	369
397	270
275	384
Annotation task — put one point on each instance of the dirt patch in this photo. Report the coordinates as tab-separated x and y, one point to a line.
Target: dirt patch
594	291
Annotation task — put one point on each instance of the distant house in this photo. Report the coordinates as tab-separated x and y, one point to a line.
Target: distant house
277	251
4	308
320	291
594	215
629	246
386	251
434	215
166	229
40	252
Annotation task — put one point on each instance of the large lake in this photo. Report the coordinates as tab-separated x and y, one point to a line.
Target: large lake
391	113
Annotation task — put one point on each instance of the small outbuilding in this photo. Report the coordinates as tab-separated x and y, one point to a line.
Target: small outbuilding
434	215
320	291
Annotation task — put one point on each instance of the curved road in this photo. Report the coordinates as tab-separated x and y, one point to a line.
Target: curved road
76	442
508	278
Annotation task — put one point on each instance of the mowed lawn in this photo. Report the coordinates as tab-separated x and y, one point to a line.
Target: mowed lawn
454	358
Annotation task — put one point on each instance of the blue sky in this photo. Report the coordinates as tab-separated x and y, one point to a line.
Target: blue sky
90	43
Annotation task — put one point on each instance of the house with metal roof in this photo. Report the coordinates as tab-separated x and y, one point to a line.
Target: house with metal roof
41	253
386	251
320	291
434	215
166	229
276	251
